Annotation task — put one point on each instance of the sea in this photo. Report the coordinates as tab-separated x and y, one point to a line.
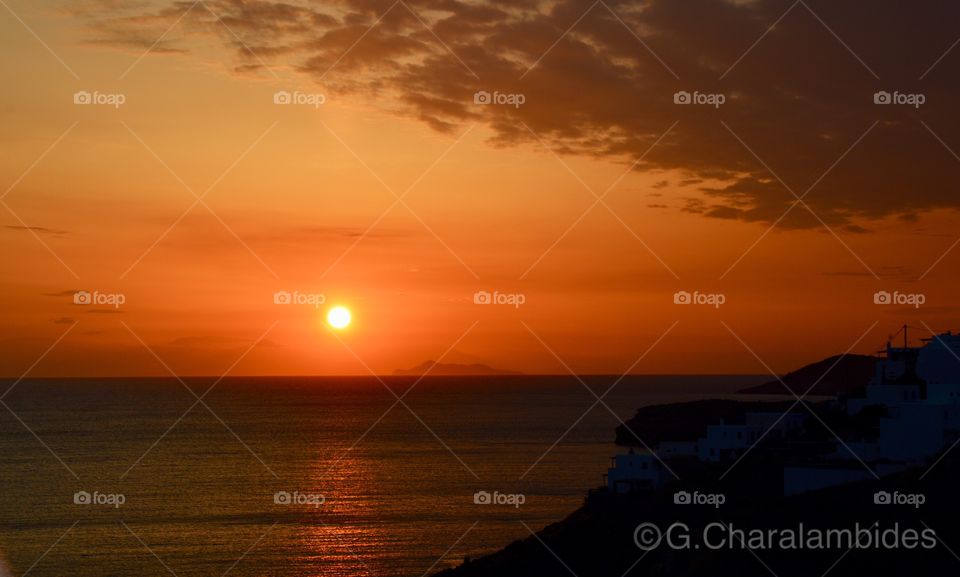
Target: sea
299	477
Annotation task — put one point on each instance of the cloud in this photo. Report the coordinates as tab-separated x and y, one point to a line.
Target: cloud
799	109
174	26
64	321
38	230
59	294
902	273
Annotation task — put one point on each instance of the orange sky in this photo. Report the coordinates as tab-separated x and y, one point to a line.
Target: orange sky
302	198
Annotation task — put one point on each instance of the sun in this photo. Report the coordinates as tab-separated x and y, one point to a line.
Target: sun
338	317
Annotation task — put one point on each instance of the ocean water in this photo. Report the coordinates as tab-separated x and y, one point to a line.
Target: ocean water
376	487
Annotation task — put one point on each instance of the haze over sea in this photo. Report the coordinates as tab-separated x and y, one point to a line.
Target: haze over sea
398	483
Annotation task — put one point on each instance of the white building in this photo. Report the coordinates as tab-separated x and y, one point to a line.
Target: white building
912	433
944	393
636	472
887	395
937	362
725	442
919	389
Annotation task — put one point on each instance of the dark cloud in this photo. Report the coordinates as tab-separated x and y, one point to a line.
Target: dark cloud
38	230
901	273
799	100
66	293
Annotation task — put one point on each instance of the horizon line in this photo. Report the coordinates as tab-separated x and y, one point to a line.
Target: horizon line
378	375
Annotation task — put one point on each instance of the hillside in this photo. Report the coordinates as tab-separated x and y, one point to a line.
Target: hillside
849	374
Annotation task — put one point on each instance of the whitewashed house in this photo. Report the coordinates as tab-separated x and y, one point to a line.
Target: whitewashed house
725	442
636	472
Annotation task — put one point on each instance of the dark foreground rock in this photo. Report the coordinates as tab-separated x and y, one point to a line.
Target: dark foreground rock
598	539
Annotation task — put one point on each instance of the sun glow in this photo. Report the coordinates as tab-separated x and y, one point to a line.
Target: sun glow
339	317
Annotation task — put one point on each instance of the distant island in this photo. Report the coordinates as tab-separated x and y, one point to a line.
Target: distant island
452	369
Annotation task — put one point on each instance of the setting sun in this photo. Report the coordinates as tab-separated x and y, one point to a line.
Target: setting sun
339	317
